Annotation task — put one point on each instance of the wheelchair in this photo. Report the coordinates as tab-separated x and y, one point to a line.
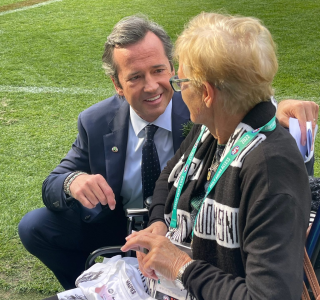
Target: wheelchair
132	224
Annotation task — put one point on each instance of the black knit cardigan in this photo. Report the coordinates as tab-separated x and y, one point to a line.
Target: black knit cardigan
249	237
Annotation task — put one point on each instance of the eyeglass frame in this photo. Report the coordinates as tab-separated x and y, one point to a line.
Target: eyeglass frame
175	80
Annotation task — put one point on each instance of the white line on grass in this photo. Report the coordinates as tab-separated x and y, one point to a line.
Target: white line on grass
39	90
296	97
27	7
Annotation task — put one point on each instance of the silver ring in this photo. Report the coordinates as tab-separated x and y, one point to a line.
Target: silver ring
314	120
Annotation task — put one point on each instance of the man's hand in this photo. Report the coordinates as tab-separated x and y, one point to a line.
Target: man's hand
90	190
163	258
302	110
158	228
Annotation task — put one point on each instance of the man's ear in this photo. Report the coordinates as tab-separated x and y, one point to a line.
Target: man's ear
118	89
172	68
208	94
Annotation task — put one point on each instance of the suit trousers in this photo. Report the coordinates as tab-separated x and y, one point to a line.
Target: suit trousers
62	241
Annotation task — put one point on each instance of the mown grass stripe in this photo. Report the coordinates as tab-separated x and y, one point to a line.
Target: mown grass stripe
39	90
24	5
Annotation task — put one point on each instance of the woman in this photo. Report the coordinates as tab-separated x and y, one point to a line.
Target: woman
237	190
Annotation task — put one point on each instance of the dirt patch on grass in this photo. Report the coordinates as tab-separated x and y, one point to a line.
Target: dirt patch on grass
21	4
4	295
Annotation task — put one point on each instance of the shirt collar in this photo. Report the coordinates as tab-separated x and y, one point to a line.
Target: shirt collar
164	121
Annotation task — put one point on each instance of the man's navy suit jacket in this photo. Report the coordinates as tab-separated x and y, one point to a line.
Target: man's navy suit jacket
102	127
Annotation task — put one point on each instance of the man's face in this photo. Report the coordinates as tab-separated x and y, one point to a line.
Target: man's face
144	72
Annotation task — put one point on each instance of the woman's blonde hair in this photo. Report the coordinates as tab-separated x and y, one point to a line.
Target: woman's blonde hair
235	54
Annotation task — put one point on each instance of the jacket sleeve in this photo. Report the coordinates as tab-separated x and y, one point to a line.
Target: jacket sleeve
273	245
160	194
77	159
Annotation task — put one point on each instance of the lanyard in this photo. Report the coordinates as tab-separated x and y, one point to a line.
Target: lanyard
229	158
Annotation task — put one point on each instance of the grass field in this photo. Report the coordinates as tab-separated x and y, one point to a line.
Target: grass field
50	70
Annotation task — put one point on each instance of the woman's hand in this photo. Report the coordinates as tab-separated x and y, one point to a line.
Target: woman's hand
163	258
158	228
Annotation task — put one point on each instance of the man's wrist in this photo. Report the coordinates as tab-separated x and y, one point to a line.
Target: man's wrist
70	178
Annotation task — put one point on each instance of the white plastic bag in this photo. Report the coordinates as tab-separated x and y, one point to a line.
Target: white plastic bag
117	279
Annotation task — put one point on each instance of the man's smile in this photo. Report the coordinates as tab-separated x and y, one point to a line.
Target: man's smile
153	98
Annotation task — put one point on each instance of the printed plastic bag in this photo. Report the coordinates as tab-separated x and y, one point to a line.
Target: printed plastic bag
117	279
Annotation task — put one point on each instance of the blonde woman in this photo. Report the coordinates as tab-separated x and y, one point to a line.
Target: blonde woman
237	190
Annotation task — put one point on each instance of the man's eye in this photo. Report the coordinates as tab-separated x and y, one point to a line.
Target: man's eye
134	78
160	70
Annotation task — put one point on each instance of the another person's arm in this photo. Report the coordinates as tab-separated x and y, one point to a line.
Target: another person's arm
302	110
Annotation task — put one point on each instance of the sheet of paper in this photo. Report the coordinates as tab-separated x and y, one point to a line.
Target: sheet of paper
166	289
295	131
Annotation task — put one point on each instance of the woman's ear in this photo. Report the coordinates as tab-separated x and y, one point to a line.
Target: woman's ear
208	94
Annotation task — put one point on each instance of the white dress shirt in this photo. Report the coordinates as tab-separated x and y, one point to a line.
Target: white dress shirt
131	190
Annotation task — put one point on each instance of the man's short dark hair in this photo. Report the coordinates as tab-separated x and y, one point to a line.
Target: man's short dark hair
128	31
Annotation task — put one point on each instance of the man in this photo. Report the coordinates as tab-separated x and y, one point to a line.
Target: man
86	194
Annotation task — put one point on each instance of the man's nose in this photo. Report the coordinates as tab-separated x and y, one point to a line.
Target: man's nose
151	84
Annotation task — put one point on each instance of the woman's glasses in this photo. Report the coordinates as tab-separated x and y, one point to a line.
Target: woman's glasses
176	82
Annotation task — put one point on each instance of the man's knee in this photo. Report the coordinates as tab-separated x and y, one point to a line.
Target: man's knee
30	228
43	230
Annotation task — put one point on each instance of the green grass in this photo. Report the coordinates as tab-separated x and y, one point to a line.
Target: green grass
58	48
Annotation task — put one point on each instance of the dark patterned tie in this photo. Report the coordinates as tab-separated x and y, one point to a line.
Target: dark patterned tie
150	165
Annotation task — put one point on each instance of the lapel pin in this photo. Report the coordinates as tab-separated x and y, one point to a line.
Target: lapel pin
115	149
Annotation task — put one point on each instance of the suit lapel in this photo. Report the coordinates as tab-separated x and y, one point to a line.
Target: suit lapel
115	145
180	115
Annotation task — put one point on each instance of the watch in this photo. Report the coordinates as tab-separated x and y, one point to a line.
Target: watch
178	280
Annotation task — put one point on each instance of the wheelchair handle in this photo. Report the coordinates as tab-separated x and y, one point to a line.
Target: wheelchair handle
136	212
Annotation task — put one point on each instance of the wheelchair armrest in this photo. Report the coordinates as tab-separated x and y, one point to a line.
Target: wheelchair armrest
136	212
102	251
